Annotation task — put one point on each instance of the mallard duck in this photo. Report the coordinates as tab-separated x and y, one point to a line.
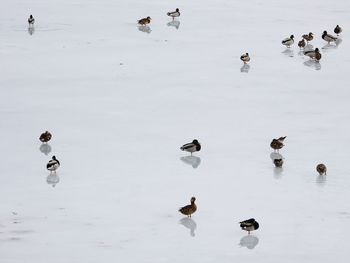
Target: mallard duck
249	225
53	164
301	43
245	58
277	144
313	54
329	38
321	169
191	147
31	20
278	162
308	37
174	14
45	137
288	41
188	210
144	21
338	30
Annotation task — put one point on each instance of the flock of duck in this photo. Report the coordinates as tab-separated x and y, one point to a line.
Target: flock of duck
194	146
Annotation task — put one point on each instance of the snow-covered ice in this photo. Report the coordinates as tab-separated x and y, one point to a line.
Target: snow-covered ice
120	101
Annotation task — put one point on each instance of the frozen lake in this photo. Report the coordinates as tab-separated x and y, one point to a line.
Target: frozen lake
121	100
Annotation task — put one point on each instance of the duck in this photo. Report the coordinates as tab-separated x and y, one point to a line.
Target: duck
245	58
31	20
308	37
249	225
313	54
301	43
277	144
329	38
191	147
288	41
45	137
338	30
188	210
53	164
278	162
321	169
174	14
144	21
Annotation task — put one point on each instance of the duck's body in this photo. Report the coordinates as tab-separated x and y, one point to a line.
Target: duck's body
277	144
191	147
45	137
313	54
301	43
188	210
53	164
245	58
288	41
321	169
278	162
174	14
144	21
308	37
329	38
338	30
249	225
31	20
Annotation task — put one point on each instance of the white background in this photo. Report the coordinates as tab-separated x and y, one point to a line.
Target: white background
120	102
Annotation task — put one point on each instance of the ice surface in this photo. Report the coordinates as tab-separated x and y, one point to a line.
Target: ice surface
120	102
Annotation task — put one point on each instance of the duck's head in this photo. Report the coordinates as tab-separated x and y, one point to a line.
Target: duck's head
195	141
177	10
292	36
311	34
31	16
193	199
54	157
317	50
148	18
247	54
325	32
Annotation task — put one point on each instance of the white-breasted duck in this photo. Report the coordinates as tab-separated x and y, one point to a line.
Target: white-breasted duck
308	37
313	54
328	37
277	144
321	169
45	137
144	21
191	147
188	210
338	30
302	43
31	20
245	58
249	225
53	164
288	41
174	14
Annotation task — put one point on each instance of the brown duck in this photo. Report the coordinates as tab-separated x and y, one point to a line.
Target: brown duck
308	37
277	144
45	137
188	210
144	21
302	43
338	30
321	169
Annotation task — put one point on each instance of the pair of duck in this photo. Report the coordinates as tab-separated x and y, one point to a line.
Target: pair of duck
247	225
147	20
53	164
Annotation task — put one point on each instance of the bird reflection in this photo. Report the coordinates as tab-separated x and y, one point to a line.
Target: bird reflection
288	52
249	241
31	30
52	179
190	224
277	170
174	23
45	148
329	47
145	29
321	180
275	155
192	160
308	47
313	64
245	68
